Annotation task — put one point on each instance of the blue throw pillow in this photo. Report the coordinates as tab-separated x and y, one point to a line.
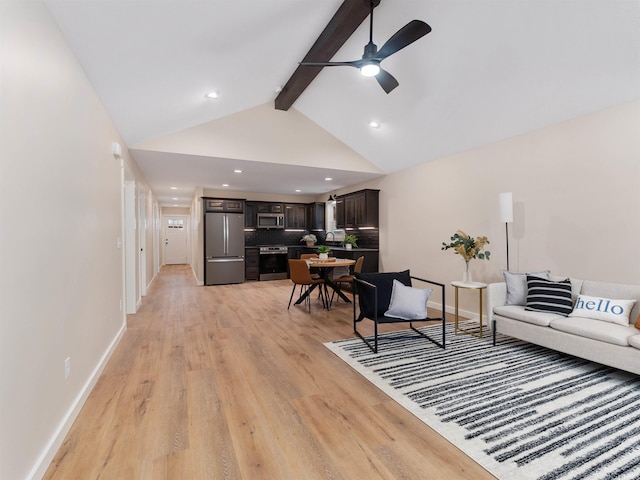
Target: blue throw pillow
384	284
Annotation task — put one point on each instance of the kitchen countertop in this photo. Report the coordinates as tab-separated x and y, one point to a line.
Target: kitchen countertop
337	249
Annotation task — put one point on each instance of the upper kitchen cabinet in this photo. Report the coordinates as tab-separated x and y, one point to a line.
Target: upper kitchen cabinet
250	214
315	216
295	215
227	205
358	209
270	207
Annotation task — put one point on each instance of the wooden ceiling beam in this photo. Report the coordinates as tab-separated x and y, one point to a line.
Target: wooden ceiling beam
339	29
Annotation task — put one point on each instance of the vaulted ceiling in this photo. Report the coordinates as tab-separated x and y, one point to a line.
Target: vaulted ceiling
489	70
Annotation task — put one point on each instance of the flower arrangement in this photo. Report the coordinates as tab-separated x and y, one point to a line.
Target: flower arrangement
467	246
310	238
350	240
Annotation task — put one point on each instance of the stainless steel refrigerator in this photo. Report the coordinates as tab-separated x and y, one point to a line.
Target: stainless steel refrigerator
223	248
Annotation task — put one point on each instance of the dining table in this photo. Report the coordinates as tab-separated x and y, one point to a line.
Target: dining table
325	267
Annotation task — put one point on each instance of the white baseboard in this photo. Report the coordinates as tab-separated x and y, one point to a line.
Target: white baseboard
469	315
43	462
198	282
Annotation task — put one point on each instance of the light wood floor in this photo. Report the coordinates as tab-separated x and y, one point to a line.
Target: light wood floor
225	383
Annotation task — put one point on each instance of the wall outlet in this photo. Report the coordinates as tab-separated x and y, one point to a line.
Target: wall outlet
67	368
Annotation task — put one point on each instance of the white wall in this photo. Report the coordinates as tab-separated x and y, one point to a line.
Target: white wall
61	275
576	204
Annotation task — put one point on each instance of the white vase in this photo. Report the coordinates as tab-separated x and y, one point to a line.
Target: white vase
467	275
348	246
323	256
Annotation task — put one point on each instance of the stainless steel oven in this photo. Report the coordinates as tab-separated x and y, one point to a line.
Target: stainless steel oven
273	262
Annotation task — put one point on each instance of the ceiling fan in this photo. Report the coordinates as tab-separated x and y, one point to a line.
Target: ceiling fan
369	64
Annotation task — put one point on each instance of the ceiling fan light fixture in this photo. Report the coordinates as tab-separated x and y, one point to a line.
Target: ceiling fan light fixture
370	69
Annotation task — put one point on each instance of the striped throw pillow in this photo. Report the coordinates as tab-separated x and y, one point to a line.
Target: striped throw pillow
548	296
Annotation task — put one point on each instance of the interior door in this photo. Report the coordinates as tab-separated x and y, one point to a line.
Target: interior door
175	240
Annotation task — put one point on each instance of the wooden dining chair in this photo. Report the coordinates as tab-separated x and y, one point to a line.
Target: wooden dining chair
349	279
300	275
314	271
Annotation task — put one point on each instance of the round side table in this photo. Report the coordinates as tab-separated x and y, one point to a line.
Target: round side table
469	286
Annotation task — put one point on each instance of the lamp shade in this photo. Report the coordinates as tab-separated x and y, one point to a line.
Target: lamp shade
506	207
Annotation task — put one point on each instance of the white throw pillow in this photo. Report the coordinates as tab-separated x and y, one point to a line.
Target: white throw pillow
408	303
606	309
517	285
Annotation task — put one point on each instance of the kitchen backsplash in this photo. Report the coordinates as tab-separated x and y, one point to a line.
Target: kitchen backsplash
366	238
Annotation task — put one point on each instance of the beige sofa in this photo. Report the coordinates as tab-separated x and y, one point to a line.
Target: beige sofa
600	341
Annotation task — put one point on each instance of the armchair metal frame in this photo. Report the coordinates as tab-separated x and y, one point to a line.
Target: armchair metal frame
358	283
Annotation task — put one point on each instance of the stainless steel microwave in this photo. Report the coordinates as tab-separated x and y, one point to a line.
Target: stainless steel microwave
270	220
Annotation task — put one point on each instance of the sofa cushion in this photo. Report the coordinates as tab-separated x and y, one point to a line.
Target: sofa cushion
605	309
549	296
517	285
634	341
408	303
596	329
518	312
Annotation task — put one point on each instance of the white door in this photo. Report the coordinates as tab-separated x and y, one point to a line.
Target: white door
142	242
175	239
131	290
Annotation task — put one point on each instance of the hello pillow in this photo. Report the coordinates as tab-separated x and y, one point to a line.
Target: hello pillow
605	309
408	303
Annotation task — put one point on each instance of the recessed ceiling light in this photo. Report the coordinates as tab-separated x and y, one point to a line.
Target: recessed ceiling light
237	170
225	184
173	188
298	190
328	179
213	94
174	198
374	124
175	204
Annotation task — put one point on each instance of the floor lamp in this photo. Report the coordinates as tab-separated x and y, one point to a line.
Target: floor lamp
506	216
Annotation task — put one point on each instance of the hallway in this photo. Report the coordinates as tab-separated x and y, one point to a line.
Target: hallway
225	382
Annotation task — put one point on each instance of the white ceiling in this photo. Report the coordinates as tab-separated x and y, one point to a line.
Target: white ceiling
489	70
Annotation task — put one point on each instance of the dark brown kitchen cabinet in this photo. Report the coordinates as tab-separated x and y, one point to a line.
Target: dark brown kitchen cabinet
223	205
315	216
252	263
295	215
250	214
340	212
358	209
270	207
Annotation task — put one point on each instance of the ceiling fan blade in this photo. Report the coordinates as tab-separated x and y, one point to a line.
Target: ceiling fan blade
408	34
354	63
386	81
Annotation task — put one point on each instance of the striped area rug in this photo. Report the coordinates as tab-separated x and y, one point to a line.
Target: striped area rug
519	410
